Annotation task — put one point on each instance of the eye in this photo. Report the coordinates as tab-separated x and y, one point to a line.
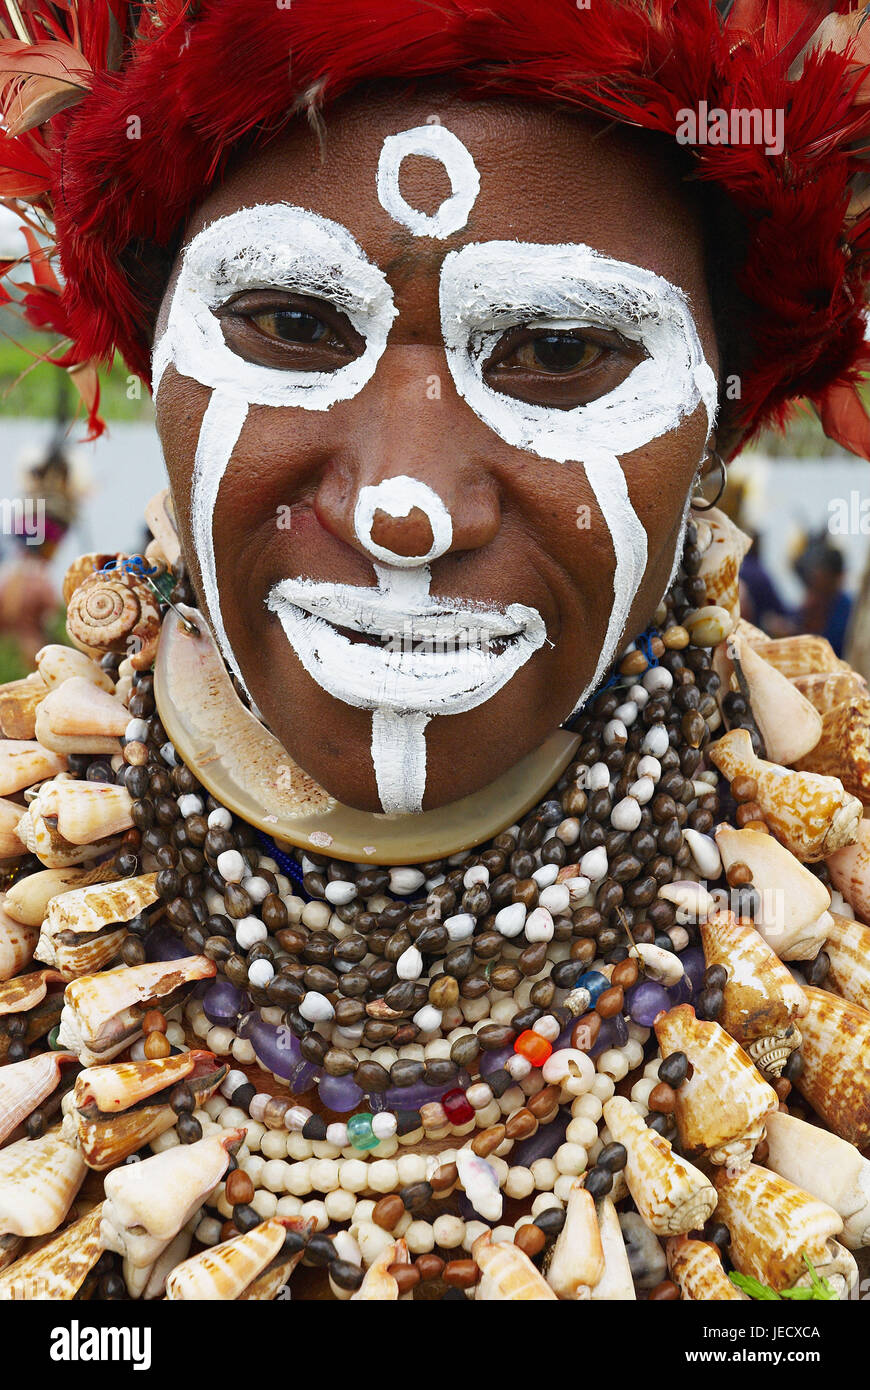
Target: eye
560	368
291	332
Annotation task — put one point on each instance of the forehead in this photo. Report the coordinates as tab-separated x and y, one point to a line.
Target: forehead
545	176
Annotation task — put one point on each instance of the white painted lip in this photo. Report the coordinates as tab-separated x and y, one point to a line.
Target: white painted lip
437	656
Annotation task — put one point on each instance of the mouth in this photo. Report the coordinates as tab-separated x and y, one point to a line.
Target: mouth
396	647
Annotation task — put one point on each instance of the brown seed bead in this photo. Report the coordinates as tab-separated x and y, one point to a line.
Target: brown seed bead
388	1212
505	977
530	1239
782	1087
662	1098
135	754
461	1274
444	992
634	664
609	1002
739	875
239	1189
747	811
429	1265
228	1230
542	1103
584	950
675	638
521	1124
406	1276
744	788
154	1022
761	1152
760	825
488	1140
445	1177
657	647
585	1032
624	974
665	1292
157	1045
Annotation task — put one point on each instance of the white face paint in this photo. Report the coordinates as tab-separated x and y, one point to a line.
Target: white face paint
272	245
432	142
490	287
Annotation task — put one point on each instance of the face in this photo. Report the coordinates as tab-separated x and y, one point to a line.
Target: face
432	403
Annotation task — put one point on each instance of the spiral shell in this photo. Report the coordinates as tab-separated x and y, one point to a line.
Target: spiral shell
103	1013
836	1073
761	1002
670	1193
507	1274
56	1270
843	748
850	872
825	1166
19	701
24	1085
848	949
577	1261
38	1180
827	689
720	563
115	612
696	1266
224	1271
82	568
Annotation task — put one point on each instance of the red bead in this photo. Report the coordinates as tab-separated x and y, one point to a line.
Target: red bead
459	1112
533	1047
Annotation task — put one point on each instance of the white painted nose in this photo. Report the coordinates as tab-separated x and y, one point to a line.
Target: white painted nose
399	497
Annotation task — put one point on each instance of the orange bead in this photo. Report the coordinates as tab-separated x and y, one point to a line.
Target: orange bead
533	1047
154	1022
157	1045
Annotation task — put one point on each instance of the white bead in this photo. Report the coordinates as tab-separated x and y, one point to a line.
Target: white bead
520	1183
167	752
613	1064
556	898
337	1134
582	1131
404	881
219	1040
459	927
208	1232
656	741
315	1007
478	873
632	1051
260	973
518	1066
316	915
448	1231
257	888
503	1010
679	937
478	1095
409	966
649	767
176	1036
547	874
353	1175
544	1202
383	1175
296	1118
656	679
547	1027
274	1174
340	892
316	1212
569	1068
473	1231
642	790
339	1205
598	777
545	1173
588	1106
384	1125
511	919
250	930
136	731
274	1144
412	1168
325	1174
231	1082
577	887
232	866
593	865
615	732
428	1018
603	1088
627	712
640	1091
625	814
539	924
190	805
420	1238
219	819
704	852
242	1050
571	1159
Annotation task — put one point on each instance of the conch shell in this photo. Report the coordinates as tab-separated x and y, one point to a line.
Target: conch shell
480	1183
30	995
761	1001
103	1013
836	1073
786	720
79	717
17	944
276	1276
11	844
39	1179
828	689
113	611
843	747
77	935
773	1224
56	1270
722	1106
24	762
19	701
57	664
804	655
28	898
85	567
848	949
148	1203
793	915
379	1285
721	560
671	1194
24	1085
577	1262
616	1284
123	1106
850	872
507	1274
827	1167
38	832
810	814
696	1267
224	1271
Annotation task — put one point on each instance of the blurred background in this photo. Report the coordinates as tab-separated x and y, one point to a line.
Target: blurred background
805	502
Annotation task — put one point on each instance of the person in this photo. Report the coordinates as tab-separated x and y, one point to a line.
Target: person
760	600
446	311
826	607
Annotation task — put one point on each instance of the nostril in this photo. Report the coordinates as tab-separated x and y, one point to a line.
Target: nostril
404	535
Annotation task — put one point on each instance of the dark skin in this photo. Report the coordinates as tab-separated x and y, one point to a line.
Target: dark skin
546	177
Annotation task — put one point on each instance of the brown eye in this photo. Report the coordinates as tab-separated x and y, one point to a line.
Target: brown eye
289	332
560	369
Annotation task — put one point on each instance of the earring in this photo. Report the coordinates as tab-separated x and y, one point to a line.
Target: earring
700	503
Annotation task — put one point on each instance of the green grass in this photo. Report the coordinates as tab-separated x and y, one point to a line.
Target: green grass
37	393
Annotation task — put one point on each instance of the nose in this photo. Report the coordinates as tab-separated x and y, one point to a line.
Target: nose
403	522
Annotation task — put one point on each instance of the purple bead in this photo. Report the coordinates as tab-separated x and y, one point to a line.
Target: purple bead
612	1033
681	992
694	965
339	1093
223	1002
494	1061
163	944
645	1002
543	1143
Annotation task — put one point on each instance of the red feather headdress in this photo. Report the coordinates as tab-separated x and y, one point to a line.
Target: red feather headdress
118	116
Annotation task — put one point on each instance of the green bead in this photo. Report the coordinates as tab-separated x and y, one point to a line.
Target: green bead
52	1038
359	1131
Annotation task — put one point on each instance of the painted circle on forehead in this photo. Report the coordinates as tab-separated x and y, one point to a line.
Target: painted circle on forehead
398	497
429	142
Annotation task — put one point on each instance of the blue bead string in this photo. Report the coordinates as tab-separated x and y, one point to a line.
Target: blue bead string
286	863
131	564
644	644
